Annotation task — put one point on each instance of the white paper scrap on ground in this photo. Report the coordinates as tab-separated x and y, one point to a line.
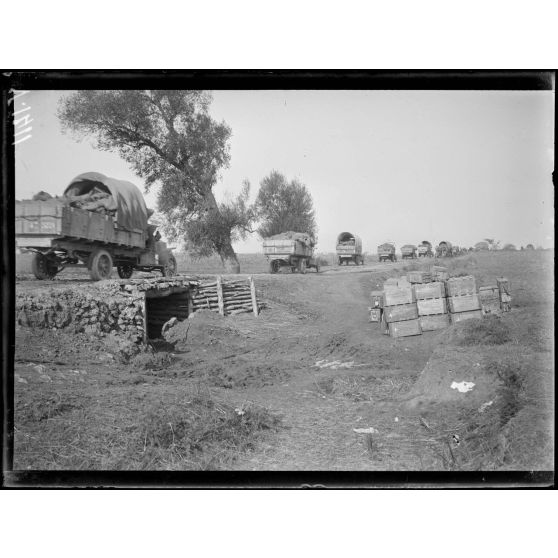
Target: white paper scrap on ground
370	430
484	406
462	387
335	364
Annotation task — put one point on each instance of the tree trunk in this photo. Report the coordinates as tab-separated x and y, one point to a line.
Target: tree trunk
226	251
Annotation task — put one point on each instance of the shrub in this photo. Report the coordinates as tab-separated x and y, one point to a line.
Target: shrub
490	330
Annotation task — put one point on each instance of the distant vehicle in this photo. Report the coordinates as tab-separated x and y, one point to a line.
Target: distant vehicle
529	247
349	249
386	252
425	250
408	251
98	223
290	249
444	249
480	246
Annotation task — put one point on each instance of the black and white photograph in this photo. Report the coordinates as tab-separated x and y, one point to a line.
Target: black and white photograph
244	275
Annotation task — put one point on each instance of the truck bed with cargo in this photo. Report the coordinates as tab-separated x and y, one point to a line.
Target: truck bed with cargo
290	249
98	223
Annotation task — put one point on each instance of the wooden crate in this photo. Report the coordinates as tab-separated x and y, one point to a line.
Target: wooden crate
403	283
489	292
397	295
405	328
504	286
489	298
456	286
461	316
401	312
375	314
419	277
377	299
437	321
435	289
464	303
429	306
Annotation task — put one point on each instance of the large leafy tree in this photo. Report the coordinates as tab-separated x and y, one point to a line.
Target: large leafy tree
284	206
169	138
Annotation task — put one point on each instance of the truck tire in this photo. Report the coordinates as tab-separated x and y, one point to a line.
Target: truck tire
100	265
43	267
125	271
170	267
274	266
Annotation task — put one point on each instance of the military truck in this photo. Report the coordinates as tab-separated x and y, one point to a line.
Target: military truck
409	251
386	252
444	249
98	223
290	249
349	249
425	250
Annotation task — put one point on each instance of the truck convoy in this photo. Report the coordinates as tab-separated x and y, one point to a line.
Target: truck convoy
98	223
386	252
349	249
290	249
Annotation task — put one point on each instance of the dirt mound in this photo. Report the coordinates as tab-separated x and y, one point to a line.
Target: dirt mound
490	330
452	376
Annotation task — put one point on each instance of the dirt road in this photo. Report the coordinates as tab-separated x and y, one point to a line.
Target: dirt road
322	402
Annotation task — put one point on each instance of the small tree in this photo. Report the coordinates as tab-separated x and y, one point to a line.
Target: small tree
284	206
510	247
493	244
168	137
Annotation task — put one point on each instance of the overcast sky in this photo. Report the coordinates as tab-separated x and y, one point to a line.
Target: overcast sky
404	166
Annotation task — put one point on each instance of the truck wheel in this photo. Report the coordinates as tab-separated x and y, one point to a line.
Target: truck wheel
170	267
274	266
43	267
125	271
100	265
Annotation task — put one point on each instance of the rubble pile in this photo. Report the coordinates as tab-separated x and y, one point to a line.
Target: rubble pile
427	301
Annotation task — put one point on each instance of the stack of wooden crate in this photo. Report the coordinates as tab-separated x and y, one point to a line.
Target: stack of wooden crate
415	303
463	300
400	312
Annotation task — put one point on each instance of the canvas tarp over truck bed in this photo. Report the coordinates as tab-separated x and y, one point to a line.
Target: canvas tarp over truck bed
131	211
38	223
349	243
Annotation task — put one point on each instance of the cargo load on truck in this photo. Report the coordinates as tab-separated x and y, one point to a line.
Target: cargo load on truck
349	249
99	222
290	249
